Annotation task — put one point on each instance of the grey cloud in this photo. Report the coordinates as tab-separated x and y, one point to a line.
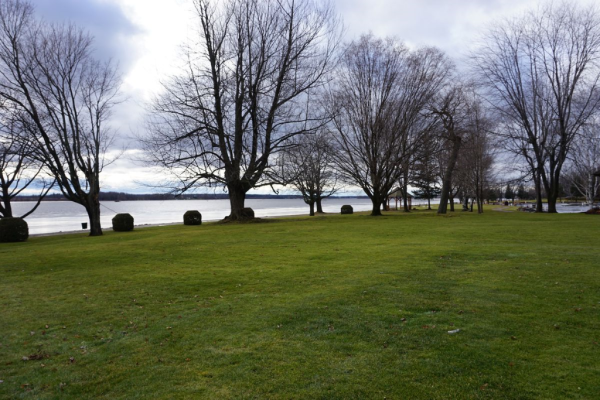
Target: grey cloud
113	32
447	24
114	39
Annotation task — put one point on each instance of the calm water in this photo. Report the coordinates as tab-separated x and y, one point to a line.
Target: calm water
65	216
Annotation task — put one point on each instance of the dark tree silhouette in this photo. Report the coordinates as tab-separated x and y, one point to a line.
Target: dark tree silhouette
19	169
48	73
308	167
245	92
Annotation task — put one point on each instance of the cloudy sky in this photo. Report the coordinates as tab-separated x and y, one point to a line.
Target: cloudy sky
145	36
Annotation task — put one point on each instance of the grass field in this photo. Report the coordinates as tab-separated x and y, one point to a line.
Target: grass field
334	307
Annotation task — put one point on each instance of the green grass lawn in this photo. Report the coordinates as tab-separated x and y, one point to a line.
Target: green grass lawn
334	307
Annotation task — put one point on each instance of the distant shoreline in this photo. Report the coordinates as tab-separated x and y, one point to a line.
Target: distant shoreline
113	196
209	221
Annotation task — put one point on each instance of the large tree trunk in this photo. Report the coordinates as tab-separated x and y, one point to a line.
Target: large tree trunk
237	199
311	205
429	203
319	205
552	197
447	182
376	200
93	211
452	204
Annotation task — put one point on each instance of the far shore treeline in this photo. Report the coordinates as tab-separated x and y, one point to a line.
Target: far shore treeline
120	196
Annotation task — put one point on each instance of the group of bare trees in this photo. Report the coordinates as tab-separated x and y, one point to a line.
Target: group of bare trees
541	75
56	98
380	100
266	98
269	96
584	163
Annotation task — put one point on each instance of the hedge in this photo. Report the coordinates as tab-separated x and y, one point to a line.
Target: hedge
347	209
122	223
192	217
13	230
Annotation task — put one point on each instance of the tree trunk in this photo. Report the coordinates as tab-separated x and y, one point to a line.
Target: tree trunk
447	182
93	211
6	208
237	199
376	206
452	204
552	192
405	192
591	192
428	203
552	197
311	205
465	204
539	206
319	205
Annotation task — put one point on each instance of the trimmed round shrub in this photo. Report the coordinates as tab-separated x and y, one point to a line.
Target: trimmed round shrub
247	213
347	209
13	230
192	217
122	223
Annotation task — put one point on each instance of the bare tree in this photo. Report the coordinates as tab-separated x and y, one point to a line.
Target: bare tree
308	167
585	160
366	98
48	73
424	177
452	110
244	93
379	95
19	169
441	163
426	75
477	153
542	74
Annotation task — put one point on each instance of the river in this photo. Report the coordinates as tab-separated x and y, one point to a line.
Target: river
66	216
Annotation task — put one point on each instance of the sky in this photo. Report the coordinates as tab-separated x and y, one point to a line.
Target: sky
144	38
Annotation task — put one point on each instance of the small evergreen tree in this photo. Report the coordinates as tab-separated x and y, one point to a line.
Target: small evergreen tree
427	188
522	194
509	193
